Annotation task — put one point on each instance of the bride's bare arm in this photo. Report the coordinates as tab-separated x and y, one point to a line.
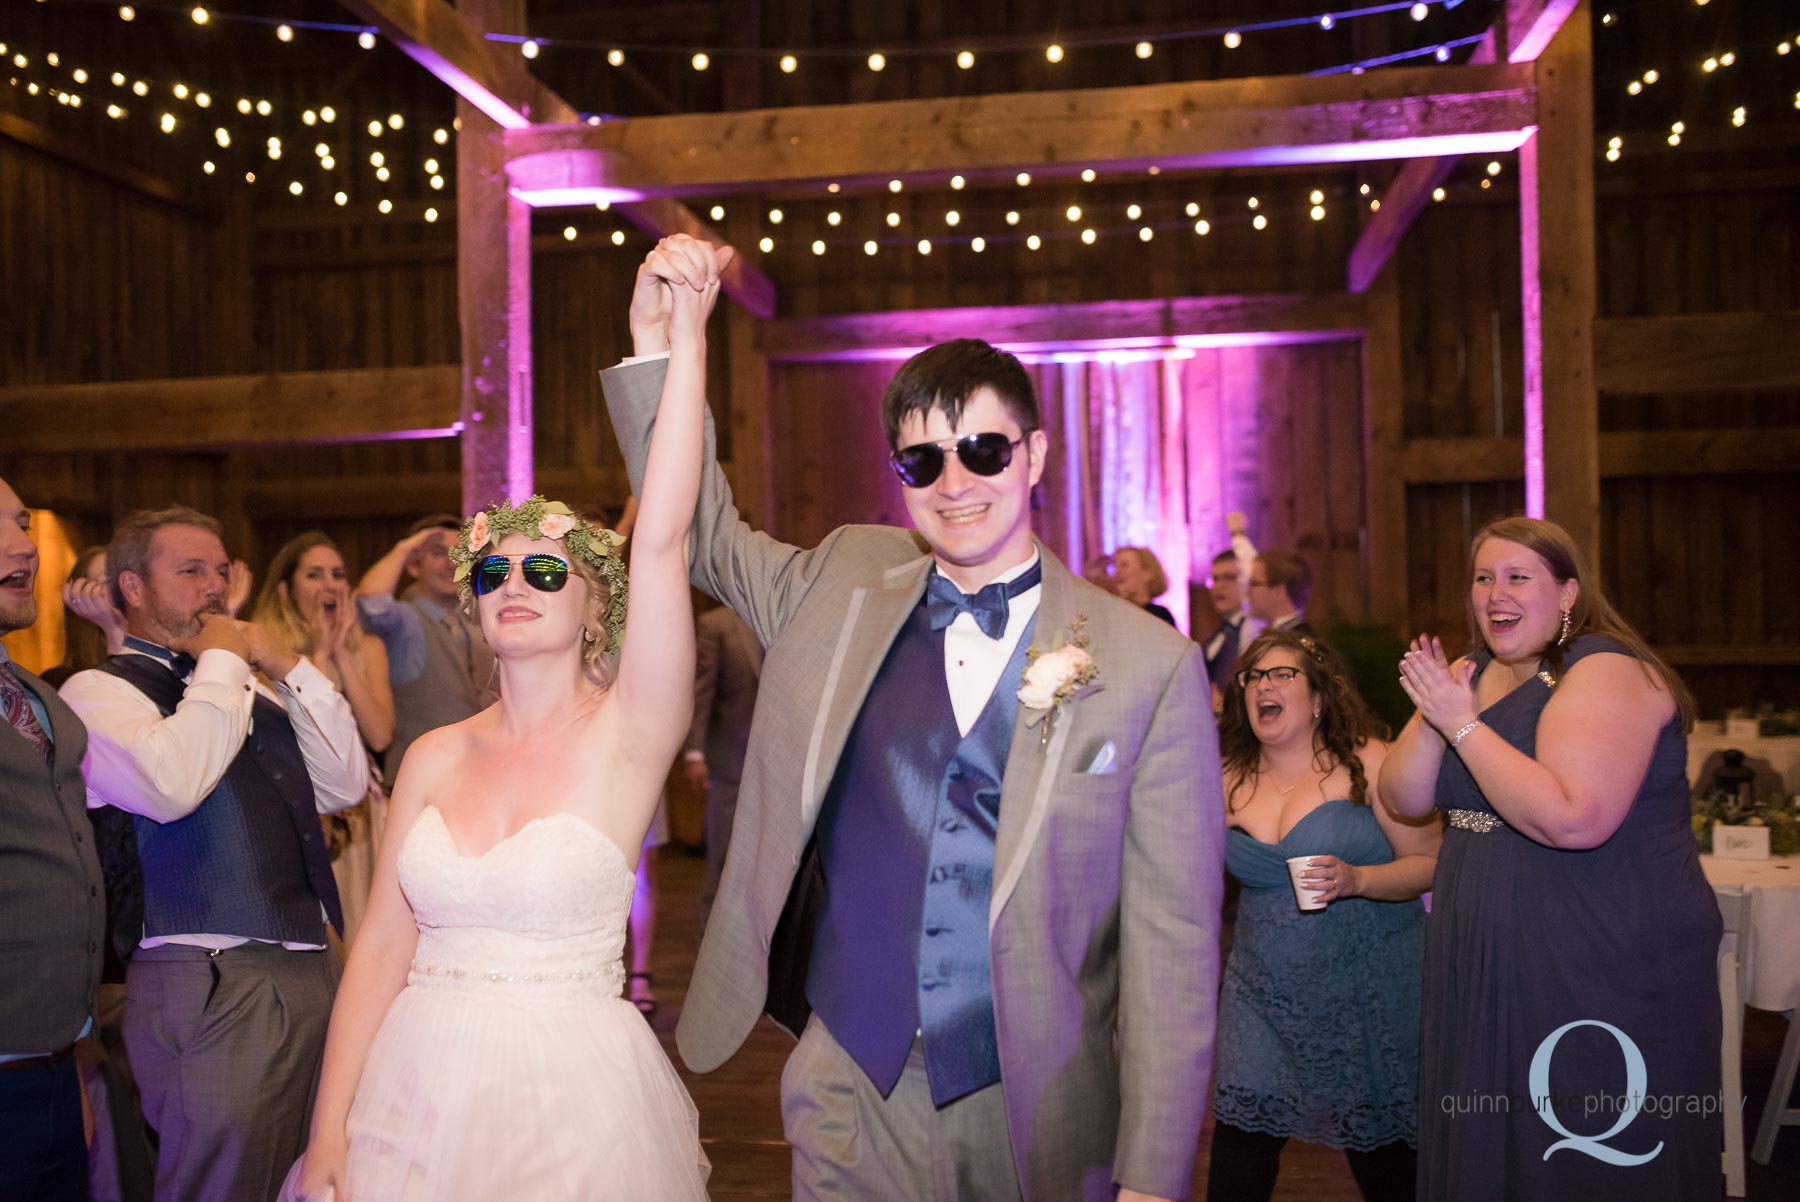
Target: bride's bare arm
373	978
655	691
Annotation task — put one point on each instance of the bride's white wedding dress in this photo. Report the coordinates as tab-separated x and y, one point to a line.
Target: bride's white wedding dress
510	1067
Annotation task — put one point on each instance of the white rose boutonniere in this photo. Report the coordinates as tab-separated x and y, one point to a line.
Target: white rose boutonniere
1055	676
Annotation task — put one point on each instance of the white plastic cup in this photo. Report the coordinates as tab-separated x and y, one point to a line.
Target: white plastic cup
1307	896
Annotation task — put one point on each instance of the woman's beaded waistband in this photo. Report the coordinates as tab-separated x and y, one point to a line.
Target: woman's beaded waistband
1481	822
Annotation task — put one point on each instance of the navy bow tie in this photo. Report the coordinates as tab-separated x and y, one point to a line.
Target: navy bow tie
178	662
989	607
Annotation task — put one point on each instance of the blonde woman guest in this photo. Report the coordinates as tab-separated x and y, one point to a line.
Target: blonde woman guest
1141	580
305	602
1569	961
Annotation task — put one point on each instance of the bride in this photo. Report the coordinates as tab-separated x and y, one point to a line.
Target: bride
479	1047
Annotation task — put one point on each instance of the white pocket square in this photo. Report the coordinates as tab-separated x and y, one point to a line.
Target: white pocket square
1105	760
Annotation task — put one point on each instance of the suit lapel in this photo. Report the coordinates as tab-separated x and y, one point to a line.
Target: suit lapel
1031	766
876	614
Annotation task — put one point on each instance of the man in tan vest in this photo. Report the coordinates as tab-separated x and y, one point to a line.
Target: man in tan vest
438	663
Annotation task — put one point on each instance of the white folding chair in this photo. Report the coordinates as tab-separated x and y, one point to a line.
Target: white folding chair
1776	1111
1734	908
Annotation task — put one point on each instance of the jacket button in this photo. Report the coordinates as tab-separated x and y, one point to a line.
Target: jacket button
93	891
938	874
80	838
92	946
306	835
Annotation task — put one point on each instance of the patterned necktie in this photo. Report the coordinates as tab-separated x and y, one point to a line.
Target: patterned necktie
989	607
15	706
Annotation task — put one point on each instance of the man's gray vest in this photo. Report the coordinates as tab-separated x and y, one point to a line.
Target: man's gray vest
453	686
52	913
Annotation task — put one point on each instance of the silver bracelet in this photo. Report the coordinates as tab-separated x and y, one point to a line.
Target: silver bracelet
1462	734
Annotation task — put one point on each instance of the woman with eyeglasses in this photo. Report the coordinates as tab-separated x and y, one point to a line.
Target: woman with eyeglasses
481	1046
1570	1031
1319	1008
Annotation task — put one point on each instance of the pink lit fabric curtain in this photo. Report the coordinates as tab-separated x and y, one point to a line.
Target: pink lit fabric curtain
1147	450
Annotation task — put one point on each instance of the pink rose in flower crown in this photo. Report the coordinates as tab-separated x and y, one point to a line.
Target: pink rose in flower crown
478	532
555	525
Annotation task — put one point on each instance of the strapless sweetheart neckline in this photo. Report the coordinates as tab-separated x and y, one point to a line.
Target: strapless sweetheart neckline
540	820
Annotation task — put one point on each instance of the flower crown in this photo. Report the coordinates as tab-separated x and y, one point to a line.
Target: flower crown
535	517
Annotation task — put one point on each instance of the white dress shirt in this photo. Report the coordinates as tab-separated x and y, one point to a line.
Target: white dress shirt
973	662
163	768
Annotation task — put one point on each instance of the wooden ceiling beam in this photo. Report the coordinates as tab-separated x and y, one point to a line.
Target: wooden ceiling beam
275	409
455	49
1524	29
1275	120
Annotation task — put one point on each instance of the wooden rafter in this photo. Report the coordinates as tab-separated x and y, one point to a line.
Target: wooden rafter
1218	123
276	409
1524	30
453	48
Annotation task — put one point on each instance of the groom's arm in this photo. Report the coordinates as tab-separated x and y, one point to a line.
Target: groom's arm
1171	887
761	578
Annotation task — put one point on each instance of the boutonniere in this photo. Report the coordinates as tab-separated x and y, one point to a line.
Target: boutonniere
1056	676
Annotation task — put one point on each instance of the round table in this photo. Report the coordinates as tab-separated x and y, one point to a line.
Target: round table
1771	955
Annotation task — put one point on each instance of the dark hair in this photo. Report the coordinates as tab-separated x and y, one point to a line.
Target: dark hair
1222	556
436	521
1345	721
129	550
84	644
1288	570
1592	613
945	376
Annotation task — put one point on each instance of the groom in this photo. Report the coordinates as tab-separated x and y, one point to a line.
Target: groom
993	924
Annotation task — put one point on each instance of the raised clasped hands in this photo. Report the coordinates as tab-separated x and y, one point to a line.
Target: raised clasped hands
678	264
1443	692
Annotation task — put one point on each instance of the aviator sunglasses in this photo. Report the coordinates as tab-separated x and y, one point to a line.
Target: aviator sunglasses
545	573
986	454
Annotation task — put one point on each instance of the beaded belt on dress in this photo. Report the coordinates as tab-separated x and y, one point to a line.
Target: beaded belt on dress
1480	822
613	974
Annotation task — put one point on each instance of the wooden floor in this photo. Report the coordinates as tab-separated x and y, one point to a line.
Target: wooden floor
740	1112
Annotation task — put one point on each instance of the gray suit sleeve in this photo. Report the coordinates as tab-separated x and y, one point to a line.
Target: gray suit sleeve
708	645
1171	889
762	579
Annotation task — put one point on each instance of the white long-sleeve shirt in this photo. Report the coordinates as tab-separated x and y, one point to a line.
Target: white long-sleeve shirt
163	768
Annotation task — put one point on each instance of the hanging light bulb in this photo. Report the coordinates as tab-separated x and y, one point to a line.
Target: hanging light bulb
366	39
965	59
789	64
878	61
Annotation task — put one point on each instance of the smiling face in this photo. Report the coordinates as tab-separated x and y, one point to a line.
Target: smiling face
978	526
320	583
18	563
1280	712
520	621
1518	601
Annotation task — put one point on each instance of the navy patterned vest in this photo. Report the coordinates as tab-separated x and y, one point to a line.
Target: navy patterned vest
251	859
906	844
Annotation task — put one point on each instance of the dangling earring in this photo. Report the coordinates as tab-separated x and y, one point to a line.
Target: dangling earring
1564	636
587	636
1317	709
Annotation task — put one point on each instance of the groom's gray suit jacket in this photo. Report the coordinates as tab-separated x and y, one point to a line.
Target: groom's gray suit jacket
1103	926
